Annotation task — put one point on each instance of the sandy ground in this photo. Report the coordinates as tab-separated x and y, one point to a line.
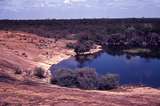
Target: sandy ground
26	50
33	49
34	94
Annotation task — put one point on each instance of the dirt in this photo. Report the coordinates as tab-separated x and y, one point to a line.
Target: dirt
27	51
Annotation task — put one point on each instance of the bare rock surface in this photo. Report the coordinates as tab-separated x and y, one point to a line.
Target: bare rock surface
26	51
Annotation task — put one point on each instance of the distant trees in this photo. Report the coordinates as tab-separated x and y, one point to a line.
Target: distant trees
90	28
132	32
134	40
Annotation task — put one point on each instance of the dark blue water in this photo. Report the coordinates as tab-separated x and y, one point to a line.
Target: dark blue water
133	71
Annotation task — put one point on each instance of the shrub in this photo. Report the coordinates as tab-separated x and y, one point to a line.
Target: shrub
39	72
65	77
108	81
18	70
84	78
71	45
82	47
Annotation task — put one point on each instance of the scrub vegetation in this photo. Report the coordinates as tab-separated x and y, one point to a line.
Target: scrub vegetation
26	44
85	78
114	33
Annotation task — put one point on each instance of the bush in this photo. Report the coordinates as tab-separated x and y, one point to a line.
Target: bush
65	77
108	81
71	45
18	70
82	47
84	78
39	72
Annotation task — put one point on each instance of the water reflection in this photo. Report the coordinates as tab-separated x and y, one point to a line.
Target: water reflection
133	69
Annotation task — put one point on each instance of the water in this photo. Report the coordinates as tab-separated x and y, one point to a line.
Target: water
133	70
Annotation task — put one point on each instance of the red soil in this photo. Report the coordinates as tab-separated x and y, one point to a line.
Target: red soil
25	50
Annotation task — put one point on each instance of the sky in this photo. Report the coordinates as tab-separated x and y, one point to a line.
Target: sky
73	9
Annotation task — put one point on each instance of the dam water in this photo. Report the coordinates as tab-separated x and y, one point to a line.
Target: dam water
132	70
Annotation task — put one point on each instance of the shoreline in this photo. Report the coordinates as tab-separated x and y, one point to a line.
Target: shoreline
25	89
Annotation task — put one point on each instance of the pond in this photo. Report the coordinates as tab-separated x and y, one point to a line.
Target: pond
132	69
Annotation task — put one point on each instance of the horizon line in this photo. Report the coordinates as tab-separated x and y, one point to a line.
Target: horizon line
82	18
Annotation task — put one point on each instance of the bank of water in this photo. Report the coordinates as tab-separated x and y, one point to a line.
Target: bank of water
133	70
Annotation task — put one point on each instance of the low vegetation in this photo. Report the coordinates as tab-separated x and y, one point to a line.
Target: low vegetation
39	72
108	81
114	33
81	46
84	78
18	70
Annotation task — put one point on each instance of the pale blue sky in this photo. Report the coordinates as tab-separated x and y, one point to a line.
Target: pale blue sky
62	9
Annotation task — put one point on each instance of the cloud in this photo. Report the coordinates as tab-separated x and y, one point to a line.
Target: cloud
73	1
6	4
80	8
